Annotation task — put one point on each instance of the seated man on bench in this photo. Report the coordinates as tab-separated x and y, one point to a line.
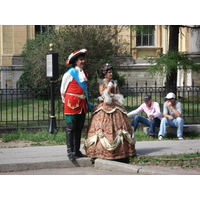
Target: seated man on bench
152	109
172	116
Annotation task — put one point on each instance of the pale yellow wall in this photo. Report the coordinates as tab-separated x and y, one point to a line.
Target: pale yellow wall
124	39
12	40
20	37
184	39
7	42
158	35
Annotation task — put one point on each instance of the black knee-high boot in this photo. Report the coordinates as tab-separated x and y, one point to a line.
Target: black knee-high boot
77	138
70	140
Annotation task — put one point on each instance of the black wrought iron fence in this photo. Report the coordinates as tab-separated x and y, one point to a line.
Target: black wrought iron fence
31	107
189	96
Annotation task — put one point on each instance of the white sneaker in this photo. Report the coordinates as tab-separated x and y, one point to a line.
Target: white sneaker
160	137
180	138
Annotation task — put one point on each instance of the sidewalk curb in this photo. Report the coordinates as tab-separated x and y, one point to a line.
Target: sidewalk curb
123	167
80	162
44	157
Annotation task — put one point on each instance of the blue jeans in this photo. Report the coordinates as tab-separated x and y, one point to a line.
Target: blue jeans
178	122
143	120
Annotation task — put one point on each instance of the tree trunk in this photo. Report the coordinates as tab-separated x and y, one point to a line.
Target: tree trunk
173	37
171	81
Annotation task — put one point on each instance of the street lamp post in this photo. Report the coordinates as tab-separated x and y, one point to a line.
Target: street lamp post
52	73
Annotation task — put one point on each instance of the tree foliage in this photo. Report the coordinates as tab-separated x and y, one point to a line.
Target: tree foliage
98	40
139	28
168	63
172	60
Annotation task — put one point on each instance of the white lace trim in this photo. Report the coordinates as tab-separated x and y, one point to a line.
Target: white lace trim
110	146
109	112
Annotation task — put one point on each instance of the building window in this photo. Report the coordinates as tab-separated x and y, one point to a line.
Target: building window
145	37
43	28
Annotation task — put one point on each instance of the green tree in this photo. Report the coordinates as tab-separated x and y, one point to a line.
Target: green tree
169	63
97	39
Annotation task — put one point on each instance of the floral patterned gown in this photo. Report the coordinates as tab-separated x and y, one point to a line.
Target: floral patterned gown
109	135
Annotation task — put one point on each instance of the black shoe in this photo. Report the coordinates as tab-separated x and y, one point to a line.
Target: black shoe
123	160
71	157
79	154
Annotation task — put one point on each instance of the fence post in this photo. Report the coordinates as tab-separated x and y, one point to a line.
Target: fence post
6	104
136	93
146	86
127	88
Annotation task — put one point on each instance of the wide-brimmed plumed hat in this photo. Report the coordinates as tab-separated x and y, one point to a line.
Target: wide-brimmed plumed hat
72	57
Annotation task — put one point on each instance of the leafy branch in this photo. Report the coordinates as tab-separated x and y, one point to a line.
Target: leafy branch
172	60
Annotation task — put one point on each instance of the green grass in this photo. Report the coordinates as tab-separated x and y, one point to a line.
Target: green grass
37	137
42	135
183	160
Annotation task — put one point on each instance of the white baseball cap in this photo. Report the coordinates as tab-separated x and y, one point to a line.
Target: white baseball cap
170	95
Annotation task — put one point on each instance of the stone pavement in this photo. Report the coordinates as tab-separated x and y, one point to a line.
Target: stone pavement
46	157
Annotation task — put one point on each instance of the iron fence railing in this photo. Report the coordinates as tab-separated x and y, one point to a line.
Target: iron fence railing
31	107
189	96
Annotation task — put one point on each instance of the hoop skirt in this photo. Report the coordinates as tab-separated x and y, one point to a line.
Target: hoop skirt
110	135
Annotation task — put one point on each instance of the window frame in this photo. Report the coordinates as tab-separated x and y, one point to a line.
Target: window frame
150	38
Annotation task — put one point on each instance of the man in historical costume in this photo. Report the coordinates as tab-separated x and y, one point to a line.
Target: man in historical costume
75	98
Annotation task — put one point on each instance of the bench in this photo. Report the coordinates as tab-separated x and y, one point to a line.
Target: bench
173	130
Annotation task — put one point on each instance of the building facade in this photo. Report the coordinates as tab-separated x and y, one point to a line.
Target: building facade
12	40
151	44
138	47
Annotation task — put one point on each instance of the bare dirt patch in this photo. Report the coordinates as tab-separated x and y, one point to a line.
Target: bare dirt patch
21	143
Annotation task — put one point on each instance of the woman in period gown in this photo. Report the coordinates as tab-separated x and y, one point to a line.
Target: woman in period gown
109	135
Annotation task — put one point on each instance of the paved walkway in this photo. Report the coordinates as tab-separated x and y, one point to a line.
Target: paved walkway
46	157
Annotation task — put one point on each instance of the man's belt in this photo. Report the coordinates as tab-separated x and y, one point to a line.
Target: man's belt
82	96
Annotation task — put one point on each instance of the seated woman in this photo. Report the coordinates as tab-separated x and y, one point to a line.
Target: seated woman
110	135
